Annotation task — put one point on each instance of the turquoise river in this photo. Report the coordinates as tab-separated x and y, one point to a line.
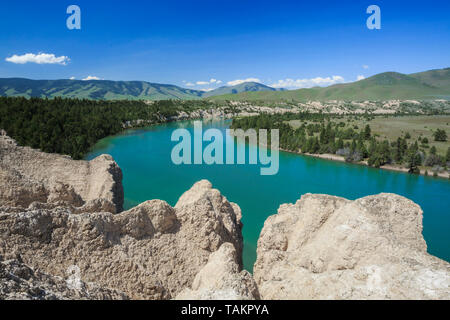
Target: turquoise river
148	173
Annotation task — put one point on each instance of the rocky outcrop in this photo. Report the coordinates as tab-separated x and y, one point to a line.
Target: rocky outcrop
152	251
325	247
210	230
221	279
28	175
20	282
62	236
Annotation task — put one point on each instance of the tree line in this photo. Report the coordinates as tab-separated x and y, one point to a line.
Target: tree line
320	133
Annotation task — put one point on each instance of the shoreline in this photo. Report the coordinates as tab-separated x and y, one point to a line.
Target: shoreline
324	156
389	167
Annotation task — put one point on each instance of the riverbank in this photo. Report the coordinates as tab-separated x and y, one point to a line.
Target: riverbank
390	167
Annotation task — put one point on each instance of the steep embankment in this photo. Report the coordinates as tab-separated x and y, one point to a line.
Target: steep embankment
28	175
152	251
325	247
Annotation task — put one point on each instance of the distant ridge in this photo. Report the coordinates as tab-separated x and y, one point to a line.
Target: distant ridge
432	84
113	90
243	87
95	89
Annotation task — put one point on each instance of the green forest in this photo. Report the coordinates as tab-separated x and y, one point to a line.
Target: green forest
73	126
327	134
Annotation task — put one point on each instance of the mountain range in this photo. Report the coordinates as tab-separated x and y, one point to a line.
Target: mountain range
433	84
95	89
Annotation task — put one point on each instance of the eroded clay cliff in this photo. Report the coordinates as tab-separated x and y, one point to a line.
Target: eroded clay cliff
28	175
20	282
325	247
221	279
62	236
152	251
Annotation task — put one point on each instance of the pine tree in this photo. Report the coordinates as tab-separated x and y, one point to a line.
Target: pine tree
323	136
367	132
399	150
433	150
440	135
315	145
340	144
372	146
353	147
414	159
361	148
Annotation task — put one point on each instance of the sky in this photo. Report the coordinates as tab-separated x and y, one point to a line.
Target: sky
203	44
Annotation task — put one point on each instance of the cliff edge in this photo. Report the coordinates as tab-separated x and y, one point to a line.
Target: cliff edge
152	251
28	175
325	247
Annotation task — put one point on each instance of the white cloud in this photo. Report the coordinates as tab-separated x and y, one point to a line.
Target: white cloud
41	58
91	78
360	77
212	81
307	83
365	66
236	82
72	78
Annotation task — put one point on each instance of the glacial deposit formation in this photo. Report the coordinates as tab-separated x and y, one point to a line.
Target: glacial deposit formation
325	247
63	236
28	175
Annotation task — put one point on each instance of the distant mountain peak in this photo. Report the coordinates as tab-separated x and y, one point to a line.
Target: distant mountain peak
239	88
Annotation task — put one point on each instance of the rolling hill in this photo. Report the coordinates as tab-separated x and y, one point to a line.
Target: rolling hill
113	90
94	89
433	84
437	78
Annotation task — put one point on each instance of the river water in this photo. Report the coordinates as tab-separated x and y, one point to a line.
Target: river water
148	173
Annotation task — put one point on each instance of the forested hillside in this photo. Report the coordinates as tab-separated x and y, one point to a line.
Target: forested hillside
72	126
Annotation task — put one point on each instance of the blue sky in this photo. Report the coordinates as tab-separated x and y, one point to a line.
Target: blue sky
190	42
